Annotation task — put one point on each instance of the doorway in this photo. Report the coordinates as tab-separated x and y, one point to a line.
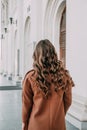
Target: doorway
63	37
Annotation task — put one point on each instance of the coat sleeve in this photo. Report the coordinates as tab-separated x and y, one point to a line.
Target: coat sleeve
27	102
67	97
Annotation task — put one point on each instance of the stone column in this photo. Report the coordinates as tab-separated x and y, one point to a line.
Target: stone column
76	52
10	41
2	15
19	40
2	53
5	40
5	51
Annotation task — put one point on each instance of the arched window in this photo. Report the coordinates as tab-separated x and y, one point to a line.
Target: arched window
63	37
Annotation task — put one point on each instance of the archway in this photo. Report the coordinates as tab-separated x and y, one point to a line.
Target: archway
52	19
63	37
27	55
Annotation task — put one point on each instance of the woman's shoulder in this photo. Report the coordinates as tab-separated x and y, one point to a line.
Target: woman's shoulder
29	74
69	77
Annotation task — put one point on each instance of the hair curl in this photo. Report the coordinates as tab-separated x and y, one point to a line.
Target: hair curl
49	69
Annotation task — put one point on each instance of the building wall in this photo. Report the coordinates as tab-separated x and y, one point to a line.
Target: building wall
38	20
46	14
76	59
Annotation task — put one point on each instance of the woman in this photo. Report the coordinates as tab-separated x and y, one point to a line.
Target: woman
47	91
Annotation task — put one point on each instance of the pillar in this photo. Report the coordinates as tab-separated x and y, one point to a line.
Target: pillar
19	58
10	40
5	51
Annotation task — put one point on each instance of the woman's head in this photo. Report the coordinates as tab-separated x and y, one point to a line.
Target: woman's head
44	54
46	65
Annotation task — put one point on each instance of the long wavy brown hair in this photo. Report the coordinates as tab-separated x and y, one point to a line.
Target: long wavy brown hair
49	69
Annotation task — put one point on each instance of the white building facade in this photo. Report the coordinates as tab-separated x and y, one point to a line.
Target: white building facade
63	22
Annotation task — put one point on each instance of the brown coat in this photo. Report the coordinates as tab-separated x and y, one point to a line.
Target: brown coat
39	113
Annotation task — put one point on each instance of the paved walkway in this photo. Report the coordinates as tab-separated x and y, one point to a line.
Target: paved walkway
10	107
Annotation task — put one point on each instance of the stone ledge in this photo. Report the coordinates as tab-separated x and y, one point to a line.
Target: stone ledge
77	114
81	125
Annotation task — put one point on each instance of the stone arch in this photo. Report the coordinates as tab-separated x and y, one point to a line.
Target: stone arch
56	23
26	44
46	19
52	17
